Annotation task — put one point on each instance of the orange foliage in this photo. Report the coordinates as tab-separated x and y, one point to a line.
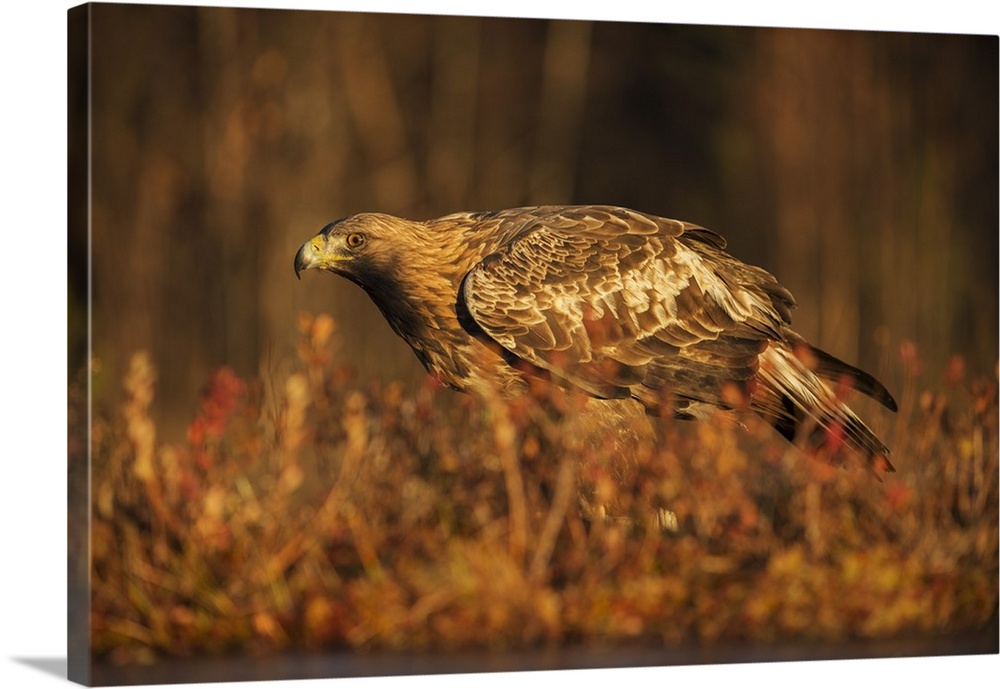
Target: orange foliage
333	516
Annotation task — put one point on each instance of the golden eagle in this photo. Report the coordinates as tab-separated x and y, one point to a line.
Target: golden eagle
618	303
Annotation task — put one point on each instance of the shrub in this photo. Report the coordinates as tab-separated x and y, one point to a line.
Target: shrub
333	515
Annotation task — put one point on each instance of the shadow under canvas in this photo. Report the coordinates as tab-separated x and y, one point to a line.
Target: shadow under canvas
51	666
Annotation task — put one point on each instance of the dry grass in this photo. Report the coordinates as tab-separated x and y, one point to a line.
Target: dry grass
338	516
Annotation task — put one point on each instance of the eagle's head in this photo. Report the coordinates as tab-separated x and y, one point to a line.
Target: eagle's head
405	267
379	251
347	246
411	272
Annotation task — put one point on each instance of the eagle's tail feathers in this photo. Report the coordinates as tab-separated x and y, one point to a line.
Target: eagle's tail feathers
833	369
804	409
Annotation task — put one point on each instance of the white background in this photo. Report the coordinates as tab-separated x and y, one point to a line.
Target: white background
33	339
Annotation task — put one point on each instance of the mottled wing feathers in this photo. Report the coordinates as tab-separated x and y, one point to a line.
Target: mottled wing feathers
622	303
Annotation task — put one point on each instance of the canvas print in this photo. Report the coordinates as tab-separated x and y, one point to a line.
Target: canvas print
406	344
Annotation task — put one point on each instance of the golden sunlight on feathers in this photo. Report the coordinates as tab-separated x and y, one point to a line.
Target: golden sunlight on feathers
614	302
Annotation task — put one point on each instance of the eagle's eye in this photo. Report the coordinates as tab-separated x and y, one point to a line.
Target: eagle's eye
355	240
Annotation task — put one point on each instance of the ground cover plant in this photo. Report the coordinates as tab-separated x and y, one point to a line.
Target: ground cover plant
318	511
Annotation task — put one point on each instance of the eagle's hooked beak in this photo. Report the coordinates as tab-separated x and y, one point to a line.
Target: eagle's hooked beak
323	251
309	255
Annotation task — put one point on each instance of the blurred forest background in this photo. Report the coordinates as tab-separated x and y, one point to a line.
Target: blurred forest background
859	167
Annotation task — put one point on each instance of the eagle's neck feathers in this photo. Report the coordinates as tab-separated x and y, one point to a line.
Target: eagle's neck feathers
415	284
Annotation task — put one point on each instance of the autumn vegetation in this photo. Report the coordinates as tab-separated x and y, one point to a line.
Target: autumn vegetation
323	512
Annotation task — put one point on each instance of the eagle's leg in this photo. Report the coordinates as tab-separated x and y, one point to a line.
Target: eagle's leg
615	438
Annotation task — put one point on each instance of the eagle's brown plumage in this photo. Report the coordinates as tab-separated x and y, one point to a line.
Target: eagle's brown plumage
618	303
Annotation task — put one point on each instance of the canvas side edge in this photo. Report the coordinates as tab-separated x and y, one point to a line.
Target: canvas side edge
78	345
